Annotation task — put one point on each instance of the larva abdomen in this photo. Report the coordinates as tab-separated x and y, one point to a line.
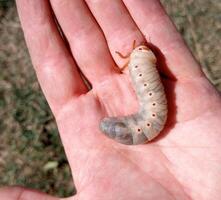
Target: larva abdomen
151	117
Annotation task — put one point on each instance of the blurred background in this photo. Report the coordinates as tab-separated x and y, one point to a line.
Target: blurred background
31	153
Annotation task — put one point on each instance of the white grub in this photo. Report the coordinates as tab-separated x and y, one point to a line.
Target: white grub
145	125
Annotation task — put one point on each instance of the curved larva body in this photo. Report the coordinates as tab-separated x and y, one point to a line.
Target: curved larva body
149	121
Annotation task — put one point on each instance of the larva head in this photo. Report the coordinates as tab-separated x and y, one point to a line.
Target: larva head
142	48
117	130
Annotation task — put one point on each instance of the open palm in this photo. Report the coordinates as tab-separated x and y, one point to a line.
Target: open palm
184	162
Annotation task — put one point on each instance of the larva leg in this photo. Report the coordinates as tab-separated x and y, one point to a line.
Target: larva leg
124	66
134	44
125	56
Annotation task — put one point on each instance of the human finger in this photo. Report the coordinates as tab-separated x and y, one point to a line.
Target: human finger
118	26
86	39
55	67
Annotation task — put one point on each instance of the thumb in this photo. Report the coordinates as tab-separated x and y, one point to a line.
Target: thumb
19	193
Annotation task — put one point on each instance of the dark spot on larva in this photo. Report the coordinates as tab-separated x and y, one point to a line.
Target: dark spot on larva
140	74
150	93
140	48
148	124
136	66
138	130
154	104
145	84
153	115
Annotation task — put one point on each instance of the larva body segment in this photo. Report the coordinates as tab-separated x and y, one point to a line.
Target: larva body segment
151	117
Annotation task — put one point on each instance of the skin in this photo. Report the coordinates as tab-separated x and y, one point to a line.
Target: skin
184	163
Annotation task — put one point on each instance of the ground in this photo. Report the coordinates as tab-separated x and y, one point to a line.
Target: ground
31	153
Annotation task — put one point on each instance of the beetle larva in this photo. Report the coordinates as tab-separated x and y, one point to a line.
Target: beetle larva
149	121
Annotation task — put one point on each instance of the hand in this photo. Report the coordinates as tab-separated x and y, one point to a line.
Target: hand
183	162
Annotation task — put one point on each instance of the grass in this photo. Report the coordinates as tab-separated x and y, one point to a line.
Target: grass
199	23
31	153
